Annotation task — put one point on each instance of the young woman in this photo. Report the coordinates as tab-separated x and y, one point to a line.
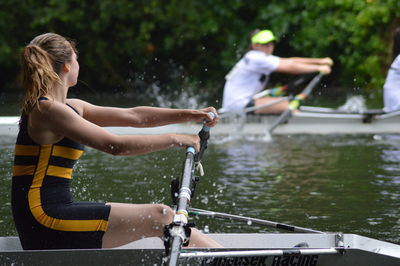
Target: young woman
391	88
250	75
53	132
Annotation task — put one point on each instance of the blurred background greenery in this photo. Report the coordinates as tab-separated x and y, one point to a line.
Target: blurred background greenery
127	47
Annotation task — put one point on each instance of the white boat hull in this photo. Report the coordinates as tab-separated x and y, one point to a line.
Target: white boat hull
301	123
239	249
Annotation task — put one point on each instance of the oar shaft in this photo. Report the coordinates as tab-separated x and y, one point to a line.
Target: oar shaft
254	220
312	84
294	104
175	251
262	94
177	232
279	91
281	119
184	196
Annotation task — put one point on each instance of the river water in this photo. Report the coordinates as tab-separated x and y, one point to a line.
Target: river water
333	183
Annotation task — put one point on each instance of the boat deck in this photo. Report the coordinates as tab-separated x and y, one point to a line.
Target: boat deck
262	249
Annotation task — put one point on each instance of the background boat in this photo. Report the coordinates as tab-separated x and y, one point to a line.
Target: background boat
306	121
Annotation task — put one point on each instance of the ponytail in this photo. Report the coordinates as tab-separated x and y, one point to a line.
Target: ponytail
42	62
38	75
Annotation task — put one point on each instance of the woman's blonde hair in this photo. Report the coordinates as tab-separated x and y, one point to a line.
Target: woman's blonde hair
42	61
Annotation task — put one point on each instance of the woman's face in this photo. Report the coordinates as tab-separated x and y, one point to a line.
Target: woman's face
266	48
269	48
73	71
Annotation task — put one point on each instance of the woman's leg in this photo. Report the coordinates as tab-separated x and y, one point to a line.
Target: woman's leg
273	109
130	222
200	240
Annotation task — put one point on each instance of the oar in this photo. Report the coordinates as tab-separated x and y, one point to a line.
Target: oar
280	91
204	135
178	231
287	227
295	103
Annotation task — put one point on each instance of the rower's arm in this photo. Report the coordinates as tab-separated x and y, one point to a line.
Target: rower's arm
289	65
316	61
58	120
141	116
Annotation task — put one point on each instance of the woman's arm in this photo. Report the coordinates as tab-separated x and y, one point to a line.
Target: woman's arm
57	119
316	61
142	116
293	66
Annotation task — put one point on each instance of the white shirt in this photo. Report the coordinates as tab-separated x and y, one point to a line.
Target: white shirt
248	77
391	88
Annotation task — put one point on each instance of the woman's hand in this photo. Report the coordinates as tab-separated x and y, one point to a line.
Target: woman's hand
324	69
327	61
210	122
183	140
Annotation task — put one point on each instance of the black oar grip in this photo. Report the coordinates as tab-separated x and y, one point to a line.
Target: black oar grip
204	135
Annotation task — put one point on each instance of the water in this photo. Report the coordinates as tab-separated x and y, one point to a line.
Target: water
334	183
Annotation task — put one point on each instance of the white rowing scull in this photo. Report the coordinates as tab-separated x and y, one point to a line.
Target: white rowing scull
304	121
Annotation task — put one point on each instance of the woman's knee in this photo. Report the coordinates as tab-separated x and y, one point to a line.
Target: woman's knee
163	213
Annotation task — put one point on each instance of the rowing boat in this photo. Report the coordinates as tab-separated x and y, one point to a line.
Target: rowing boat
239	249
310	247
309	120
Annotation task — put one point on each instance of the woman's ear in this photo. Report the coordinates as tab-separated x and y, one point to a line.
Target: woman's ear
66	68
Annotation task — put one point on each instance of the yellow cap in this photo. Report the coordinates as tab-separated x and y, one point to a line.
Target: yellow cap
263	37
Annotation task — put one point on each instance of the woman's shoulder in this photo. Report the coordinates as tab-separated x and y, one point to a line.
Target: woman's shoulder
77	104
49	109
75	101
260	59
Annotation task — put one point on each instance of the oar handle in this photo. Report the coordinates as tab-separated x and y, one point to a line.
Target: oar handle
207	128
204	135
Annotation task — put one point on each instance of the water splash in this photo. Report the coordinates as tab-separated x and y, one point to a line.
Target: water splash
185	98
354	104
237	124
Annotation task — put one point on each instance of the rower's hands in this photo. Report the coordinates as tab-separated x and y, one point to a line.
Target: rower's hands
205	116
327	61
184	141
324	69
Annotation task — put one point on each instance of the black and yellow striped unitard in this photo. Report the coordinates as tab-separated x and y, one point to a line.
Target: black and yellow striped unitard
45	215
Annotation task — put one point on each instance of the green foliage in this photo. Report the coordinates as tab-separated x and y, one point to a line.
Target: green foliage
355	33
126	45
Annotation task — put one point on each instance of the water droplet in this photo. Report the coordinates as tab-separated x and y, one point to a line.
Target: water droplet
206	229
